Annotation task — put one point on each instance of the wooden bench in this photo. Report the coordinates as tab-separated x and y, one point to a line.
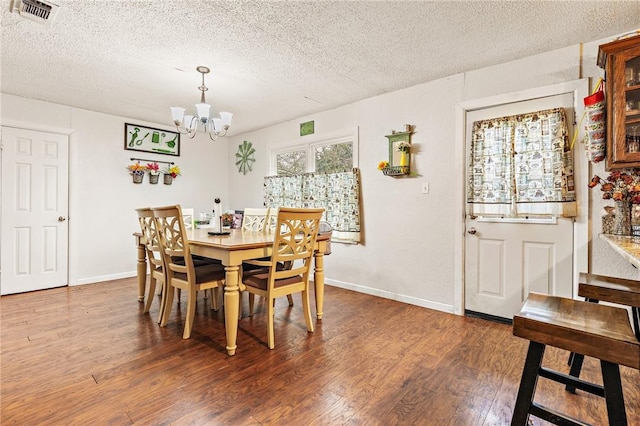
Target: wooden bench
590	329
596	288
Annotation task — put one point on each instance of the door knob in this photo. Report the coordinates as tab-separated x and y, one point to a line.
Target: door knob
472	231
61	219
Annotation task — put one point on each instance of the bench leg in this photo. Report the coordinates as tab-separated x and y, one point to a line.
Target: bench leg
576	367
528	384
613	394
635	313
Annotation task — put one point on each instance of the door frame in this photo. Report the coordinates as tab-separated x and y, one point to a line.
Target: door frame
579	89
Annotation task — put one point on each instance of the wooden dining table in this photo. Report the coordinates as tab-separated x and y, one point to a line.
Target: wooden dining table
232	250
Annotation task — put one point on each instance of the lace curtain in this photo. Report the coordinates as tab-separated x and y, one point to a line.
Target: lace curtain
337	193
522	165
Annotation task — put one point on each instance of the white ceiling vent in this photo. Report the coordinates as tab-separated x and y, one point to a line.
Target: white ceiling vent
37	10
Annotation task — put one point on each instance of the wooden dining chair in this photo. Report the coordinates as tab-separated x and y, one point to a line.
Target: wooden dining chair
254	219
183	274
272	220
259	220
154	256
295	241
188	217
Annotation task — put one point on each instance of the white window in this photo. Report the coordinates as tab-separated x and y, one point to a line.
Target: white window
333	155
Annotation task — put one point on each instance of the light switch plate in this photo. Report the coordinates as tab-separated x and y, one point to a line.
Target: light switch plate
425	187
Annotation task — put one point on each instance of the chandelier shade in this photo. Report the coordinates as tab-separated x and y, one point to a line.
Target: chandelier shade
215	127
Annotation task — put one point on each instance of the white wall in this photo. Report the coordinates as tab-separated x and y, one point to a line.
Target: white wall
408	248
409	238
102	196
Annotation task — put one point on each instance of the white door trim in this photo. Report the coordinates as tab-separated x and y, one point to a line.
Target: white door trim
580	89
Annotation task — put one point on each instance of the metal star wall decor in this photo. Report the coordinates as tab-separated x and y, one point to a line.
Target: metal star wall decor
244	157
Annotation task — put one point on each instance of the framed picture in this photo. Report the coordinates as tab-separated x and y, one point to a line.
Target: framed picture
306	128
148	139
237	219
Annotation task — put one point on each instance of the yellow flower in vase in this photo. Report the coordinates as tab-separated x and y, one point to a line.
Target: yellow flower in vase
404	149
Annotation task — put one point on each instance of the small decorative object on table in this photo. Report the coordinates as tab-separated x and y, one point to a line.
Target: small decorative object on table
137	170
217	202
226	219
170	173
154	172
623	187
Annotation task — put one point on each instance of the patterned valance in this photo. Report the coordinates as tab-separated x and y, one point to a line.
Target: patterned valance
337	193
522	165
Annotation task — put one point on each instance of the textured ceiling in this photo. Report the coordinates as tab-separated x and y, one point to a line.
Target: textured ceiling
275	61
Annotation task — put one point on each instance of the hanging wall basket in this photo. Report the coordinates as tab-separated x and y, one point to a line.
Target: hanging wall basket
595	110
137	178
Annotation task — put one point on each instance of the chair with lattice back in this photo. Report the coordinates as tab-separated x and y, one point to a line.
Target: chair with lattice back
188	217
183	274
294	242
154	256
254	219
259	220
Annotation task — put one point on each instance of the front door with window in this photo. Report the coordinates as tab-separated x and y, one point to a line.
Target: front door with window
34	210
507	257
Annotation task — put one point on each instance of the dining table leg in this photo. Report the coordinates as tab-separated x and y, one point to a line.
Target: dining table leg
318	281
141	269
231	307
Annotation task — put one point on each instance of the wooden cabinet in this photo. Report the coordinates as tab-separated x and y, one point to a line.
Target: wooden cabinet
621	62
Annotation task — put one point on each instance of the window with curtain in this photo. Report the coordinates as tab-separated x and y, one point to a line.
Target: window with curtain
521	165
337	193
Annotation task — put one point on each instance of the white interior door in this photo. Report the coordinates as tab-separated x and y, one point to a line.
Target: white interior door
506	258
34	238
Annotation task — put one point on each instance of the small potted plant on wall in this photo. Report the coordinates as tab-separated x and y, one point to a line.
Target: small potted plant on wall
137	170
154	172
170	173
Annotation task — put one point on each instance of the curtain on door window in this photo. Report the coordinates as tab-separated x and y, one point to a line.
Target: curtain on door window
337	193
521	165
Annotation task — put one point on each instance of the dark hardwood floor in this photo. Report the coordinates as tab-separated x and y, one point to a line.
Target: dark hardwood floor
88	355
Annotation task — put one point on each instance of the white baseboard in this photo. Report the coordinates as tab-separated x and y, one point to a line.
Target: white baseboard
91	280
347	286
392	296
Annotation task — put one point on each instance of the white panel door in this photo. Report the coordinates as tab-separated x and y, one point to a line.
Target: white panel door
506	259
34	238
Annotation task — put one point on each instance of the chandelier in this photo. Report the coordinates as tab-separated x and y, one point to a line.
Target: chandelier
213	126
